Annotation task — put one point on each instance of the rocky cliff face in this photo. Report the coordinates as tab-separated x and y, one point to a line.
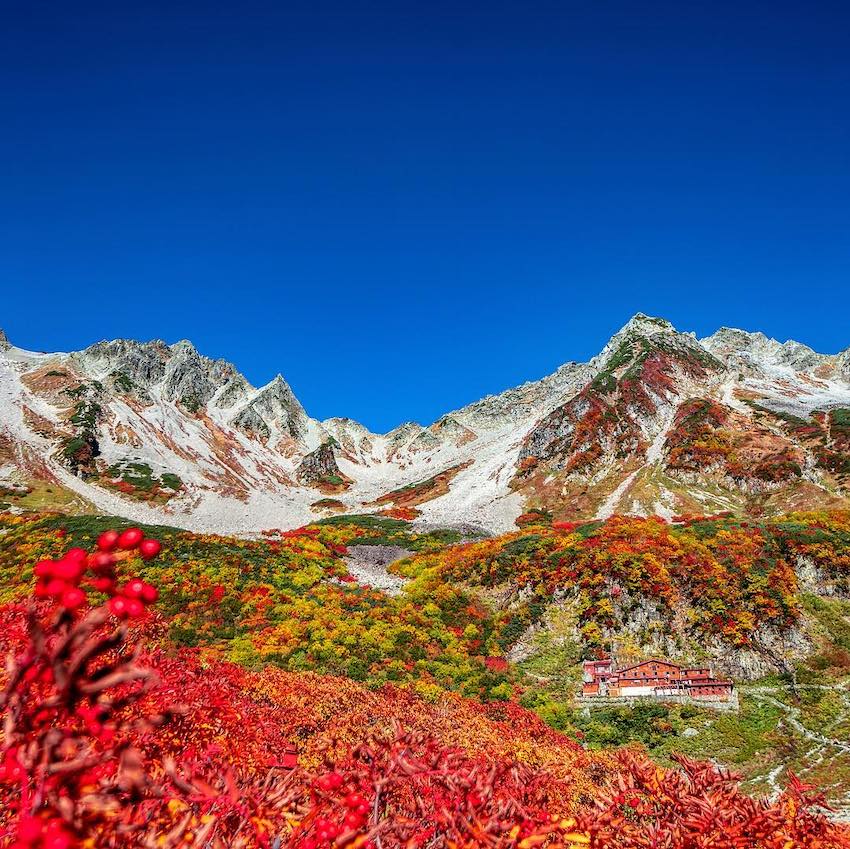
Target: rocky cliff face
277	410
657	422
842	366
319	467
754	351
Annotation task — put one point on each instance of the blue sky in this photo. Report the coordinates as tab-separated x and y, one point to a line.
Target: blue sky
404	206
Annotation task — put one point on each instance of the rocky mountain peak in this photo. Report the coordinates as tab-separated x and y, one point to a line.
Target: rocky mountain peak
274	407
278	390
843	365
192	378
749	350
340	424
178	371
642	330
142	362
184	346
734	339
641	324
404	431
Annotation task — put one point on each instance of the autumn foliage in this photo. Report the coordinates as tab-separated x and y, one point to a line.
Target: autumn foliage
715	577
114	739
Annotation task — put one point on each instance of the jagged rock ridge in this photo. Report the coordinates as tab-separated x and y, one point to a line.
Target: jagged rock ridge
657	422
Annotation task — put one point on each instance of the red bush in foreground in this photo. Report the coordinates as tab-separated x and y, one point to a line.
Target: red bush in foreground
101	750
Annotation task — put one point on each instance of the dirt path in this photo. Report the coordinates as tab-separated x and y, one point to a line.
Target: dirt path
821	747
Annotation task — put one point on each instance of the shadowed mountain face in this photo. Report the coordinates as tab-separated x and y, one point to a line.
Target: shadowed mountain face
658	422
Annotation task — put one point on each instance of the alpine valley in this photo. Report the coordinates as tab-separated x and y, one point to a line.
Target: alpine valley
231	625
659	422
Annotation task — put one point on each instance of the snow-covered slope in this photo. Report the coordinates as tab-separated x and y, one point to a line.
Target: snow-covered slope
158	432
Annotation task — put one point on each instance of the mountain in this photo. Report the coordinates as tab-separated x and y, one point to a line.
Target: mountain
659	422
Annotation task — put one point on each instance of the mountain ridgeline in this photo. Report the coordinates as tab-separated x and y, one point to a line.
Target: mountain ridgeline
659	422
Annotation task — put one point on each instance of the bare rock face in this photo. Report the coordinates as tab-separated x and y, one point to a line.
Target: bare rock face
250	422
355	441
277	408
425	441
235	392
177	372
842	365
552	437
190	378
527	400
751	352
450	429
772	652
798	356
4	342
319	466
142	362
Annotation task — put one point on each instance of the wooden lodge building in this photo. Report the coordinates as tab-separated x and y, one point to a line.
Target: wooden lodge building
652	679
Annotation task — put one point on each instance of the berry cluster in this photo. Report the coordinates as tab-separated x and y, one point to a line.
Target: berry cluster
355	819
61	579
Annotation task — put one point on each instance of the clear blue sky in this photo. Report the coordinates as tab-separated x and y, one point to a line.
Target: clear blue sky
404	206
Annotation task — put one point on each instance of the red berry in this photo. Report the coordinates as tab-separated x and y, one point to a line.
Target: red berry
353	820
56	587
61	532
43	569
353	800
335	780
130	538
107	540
133	588
102	562
149	594
118	606
69	570
149	548
73	598
134	608
104	584
76	555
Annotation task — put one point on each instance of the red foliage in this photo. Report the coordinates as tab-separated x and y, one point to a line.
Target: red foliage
406	514
107	746
701	806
